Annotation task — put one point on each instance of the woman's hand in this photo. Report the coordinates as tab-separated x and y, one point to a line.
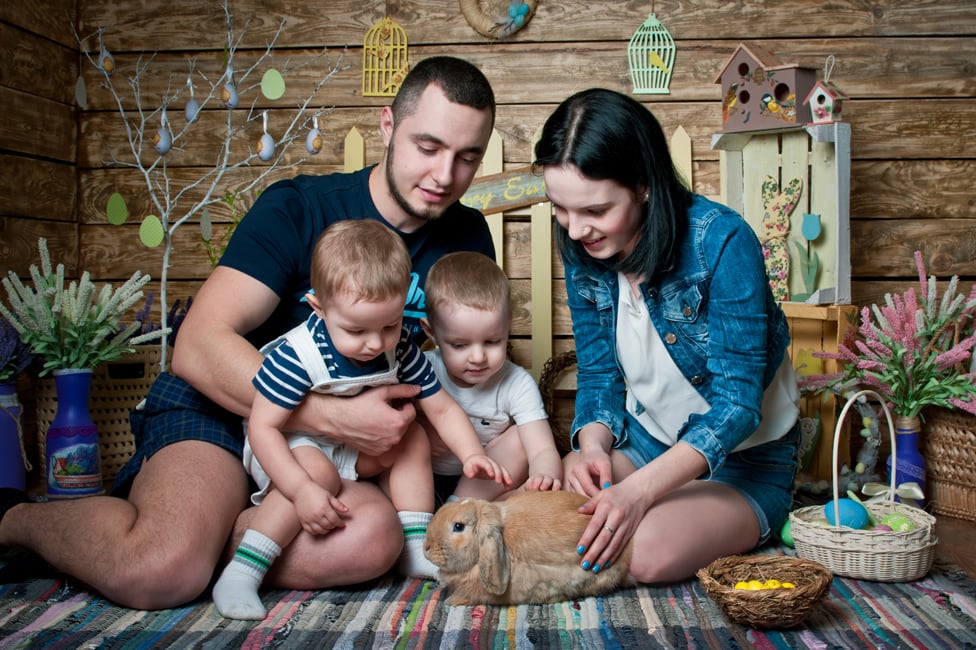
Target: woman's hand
616	512
591	472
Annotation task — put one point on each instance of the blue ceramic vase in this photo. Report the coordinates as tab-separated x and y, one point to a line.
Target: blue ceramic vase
72	453
11	440
910	461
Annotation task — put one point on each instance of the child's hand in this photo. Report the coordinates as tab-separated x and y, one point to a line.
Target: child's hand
318	509
542	482
482	466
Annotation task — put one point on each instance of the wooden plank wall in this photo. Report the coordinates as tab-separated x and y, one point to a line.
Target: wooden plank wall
39	135
908	66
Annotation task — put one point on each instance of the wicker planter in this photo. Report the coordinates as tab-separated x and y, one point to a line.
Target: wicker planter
949	443
116	388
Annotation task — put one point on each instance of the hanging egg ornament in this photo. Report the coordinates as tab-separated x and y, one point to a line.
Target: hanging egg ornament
228	94
314	141
192	109
106	61
266	145
163	140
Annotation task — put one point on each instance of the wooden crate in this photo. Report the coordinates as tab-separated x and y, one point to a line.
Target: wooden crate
820	156
815	328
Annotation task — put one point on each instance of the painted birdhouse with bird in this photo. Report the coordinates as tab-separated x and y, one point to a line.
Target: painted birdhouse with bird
826	102
759	92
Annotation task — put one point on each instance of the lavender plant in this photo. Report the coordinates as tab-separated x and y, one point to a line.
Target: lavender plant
15	355
913	350
75	326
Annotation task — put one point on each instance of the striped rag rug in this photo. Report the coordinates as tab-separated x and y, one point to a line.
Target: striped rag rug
938	611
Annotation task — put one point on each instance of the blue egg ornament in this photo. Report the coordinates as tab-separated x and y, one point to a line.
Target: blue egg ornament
852	514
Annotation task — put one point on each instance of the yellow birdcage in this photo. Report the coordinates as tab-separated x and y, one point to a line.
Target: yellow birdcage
384	59
651	58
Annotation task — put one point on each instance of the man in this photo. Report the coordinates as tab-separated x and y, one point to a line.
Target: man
156	544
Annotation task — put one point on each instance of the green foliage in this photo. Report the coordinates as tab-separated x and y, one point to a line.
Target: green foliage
75	326
215	246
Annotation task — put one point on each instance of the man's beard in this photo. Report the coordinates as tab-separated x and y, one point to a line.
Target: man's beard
427	215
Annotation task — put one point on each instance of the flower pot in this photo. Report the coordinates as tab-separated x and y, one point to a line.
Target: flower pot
12	458
73	466
910	463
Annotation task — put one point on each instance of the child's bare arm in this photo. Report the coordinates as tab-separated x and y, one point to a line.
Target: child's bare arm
453	426
545	469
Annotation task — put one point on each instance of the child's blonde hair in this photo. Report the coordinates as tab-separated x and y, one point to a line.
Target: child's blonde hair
469	279
361	256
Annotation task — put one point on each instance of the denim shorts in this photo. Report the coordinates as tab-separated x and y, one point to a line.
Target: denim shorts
173	412
763	474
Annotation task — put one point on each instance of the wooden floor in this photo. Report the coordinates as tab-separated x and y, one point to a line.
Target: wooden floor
956	542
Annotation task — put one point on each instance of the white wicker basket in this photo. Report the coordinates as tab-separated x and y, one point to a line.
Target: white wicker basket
883	556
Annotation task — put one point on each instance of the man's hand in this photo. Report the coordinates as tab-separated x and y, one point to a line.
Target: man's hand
373	421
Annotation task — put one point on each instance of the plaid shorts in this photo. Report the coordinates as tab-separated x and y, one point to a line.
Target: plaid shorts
174	411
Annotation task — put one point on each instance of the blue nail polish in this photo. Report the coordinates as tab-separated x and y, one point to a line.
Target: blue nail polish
607	484
596	568
586	564
580	549
607	565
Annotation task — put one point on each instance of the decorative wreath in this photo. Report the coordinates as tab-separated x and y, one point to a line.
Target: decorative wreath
517	16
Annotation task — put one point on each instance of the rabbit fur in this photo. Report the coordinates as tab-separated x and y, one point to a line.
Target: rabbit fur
520	550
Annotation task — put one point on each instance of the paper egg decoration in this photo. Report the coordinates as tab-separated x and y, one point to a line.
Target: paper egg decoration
266	147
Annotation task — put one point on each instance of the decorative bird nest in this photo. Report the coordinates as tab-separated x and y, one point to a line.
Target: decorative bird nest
768	608
505	18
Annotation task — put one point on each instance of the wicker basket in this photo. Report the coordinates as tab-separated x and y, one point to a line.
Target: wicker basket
950	462
116	388
883	556
766	608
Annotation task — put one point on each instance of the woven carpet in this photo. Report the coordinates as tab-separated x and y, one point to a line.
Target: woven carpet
938	611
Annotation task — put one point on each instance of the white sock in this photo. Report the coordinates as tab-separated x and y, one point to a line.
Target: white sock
412	562
236	593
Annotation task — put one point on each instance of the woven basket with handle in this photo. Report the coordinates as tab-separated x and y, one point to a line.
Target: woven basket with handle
883	556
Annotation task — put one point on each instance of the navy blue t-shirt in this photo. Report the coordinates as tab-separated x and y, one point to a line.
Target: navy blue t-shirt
273	242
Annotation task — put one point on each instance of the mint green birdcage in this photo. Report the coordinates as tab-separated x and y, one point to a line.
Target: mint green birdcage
651	58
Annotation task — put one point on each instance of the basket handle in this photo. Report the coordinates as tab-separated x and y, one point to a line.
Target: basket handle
840	423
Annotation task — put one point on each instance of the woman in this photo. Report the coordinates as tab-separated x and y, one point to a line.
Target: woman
685	436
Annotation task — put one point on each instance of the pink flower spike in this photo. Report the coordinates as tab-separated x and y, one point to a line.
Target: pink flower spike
963	405
920	265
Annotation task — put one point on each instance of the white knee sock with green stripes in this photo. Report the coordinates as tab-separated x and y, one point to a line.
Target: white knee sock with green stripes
412	561
236	592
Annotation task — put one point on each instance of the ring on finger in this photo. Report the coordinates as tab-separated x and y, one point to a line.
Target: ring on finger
608	529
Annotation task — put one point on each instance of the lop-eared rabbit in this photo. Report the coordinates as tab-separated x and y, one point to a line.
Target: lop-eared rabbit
519	550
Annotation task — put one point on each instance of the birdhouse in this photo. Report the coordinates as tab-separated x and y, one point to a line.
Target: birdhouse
826	102
760	92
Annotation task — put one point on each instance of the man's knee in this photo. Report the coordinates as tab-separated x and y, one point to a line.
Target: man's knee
160	578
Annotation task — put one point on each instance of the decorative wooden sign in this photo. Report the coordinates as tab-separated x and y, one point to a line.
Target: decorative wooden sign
509	190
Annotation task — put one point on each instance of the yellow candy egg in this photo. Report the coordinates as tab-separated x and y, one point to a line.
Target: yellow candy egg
742	584
772	584
755	585
788	585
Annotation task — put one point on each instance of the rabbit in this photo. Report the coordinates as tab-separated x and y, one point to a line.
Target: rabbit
520	550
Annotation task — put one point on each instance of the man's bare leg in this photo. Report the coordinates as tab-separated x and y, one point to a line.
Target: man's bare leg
365	549
155	550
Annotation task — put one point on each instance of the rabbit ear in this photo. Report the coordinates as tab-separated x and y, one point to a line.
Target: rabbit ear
493	563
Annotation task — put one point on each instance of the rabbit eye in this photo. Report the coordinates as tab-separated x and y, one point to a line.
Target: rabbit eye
458	527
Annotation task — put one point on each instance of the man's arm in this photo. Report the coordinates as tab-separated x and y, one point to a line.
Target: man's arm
214	357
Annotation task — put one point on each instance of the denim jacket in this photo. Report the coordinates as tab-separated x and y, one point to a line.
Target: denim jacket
718	319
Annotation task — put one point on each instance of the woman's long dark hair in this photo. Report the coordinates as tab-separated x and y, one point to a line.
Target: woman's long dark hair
608	135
